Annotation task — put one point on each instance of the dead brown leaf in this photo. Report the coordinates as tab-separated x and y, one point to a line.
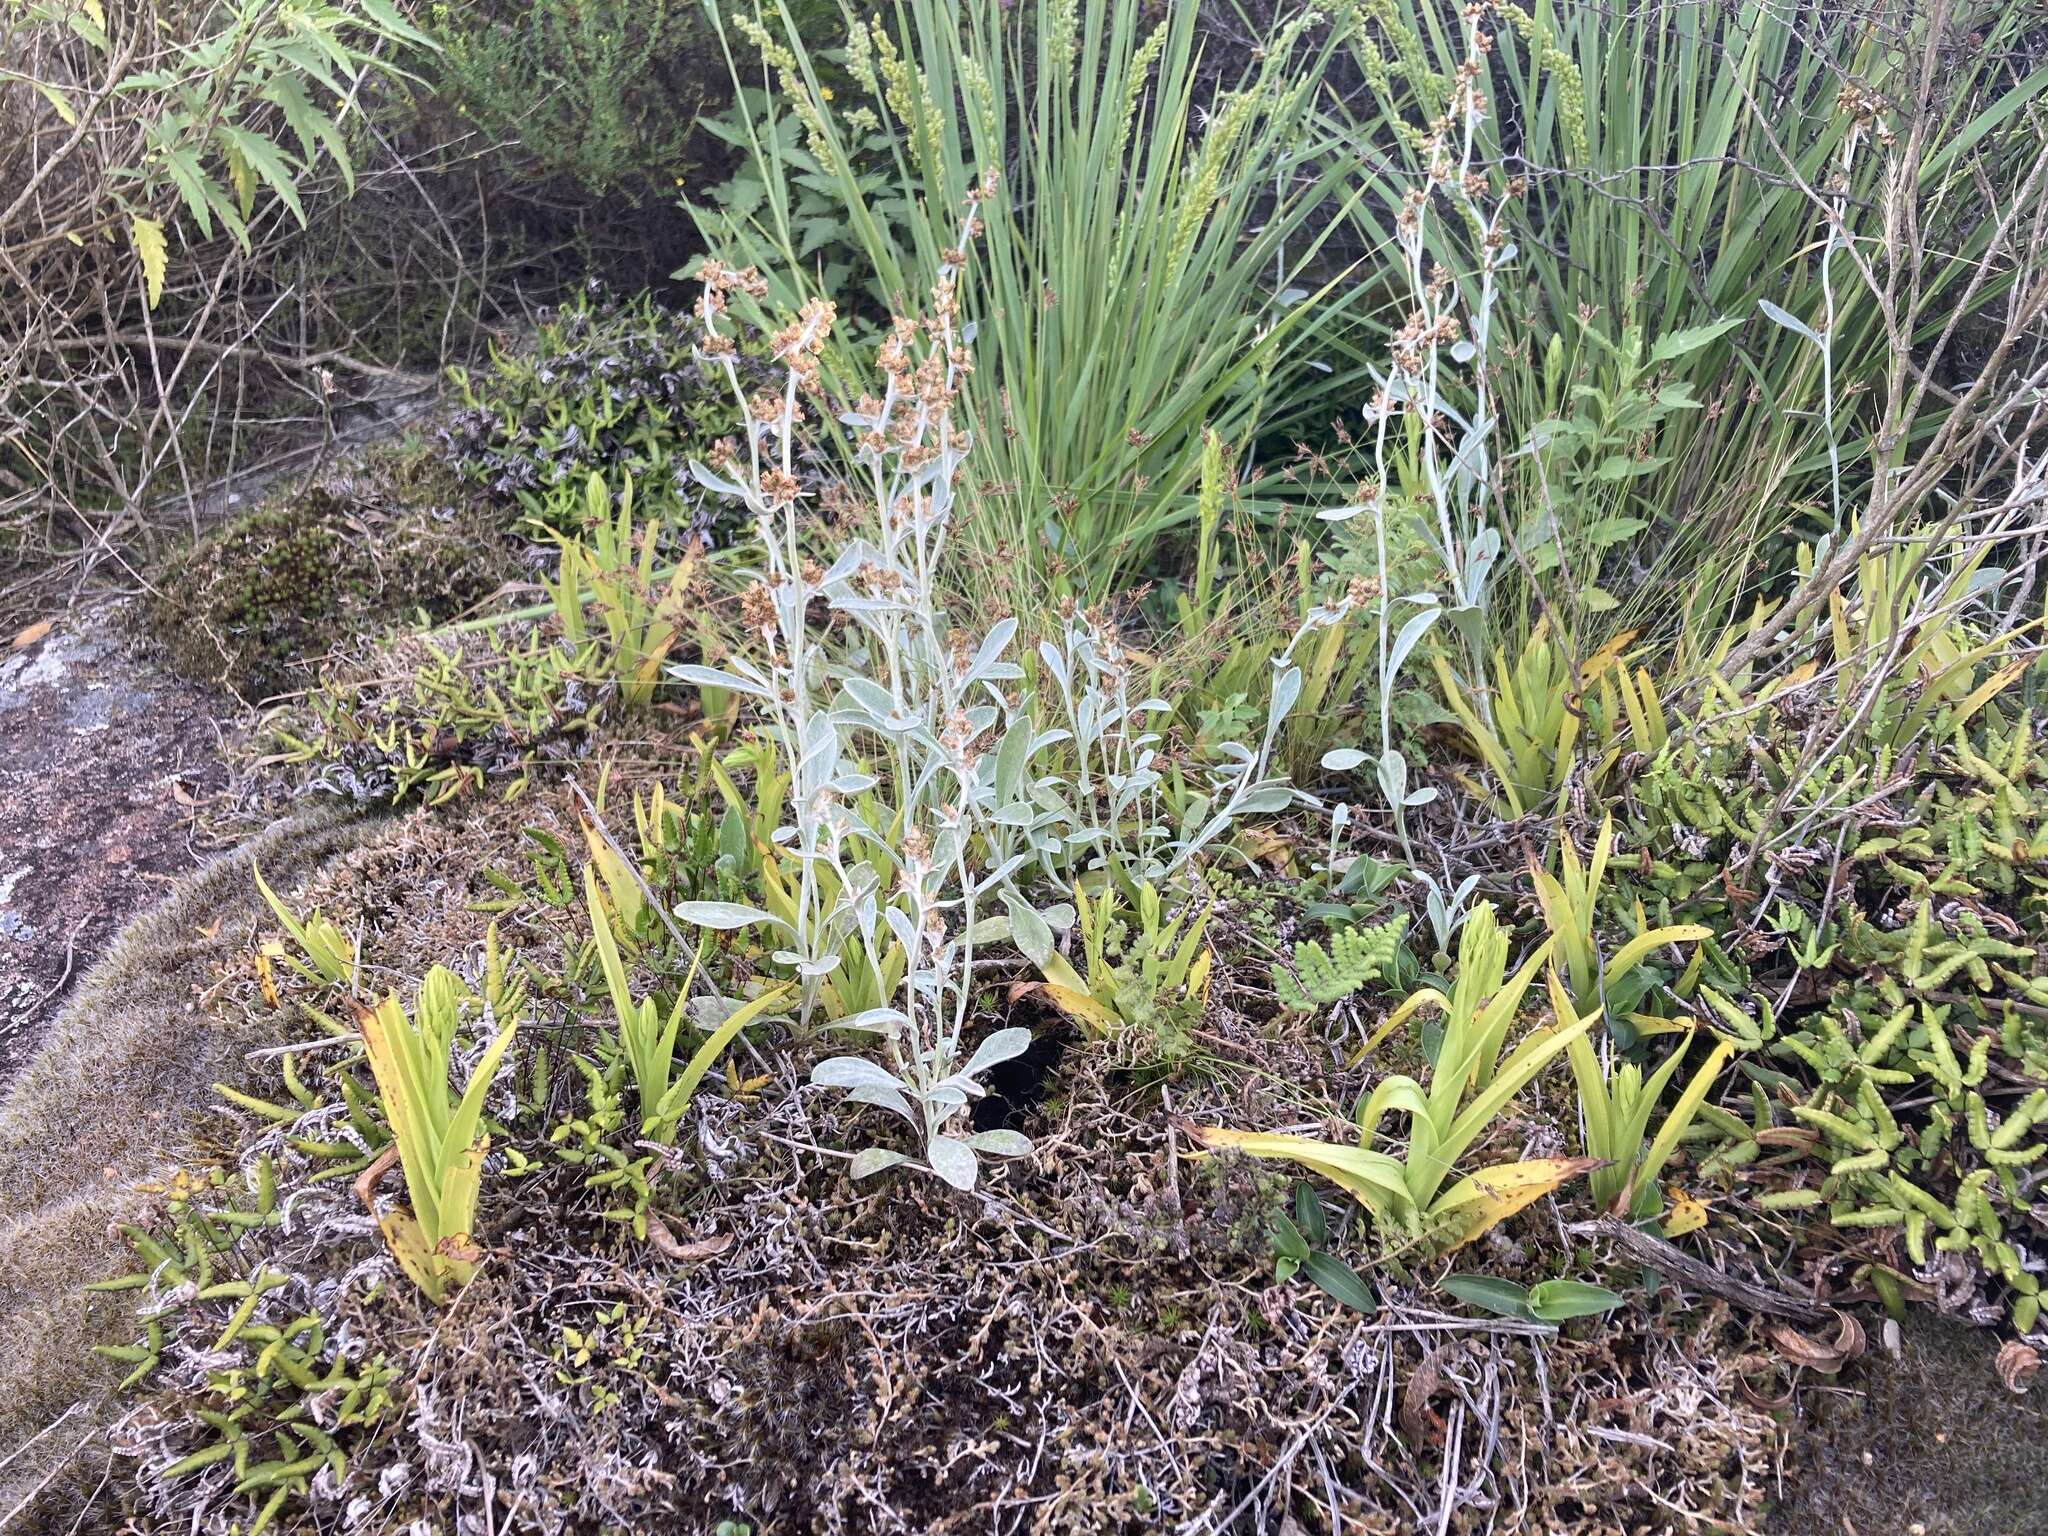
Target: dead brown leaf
1421	1423
1827	1359
32	634
2018	1365
664	1242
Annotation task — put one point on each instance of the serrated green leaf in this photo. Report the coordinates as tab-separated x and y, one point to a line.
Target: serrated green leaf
267	160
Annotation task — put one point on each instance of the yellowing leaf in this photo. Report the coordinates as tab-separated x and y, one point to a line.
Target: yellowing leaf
31	635
1373	1177
1604	658
266	980
1487	1198
1688	1213
1080	1007
242	179
58	101
147	236
408	1245
1632	954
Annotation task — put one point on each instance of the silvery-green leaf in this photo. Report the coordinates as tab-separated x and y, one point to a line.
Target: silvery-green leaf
816	968
992	648
1055	663
882	1021
1286	690
889	1098
1410	636
714	482
1013	761
901	926
1790	322
726	915
852	1072
1420	796
989	930
1339	514
1001	1143
1000	1046
870	696
1264	798
712	677
1060	916
873	1160
1343	759
707	1013
952	1160
1393	776
1032	933
1003	871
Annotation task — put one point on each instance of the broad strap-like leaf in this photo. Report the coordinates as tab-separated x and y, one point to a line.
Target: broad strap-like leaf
1529	1058
1681	1116
387	1040
707	1054
1483	1200
459	1141
1371	1177
415	1255
1632	954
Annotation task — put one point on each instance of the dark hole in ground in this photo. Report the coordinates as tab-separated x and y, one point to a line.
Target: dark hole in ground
1018	1086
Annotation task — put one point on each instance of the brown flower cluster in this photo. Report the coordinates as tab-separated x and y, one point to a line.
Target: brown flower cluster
799	344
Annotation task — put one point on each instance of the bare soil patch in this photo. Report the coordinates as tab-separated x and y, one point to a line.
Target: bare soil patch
105	762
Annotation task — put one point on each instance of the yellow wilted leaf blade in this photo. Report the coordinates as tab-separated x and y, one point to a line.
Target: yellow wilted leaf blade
1483	1200
1688	1213
267	981
1080	1007
408	1245
148	238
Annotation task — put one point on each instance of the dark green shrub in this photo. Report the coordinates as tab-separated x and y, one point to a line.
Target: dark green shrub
604	93
607	387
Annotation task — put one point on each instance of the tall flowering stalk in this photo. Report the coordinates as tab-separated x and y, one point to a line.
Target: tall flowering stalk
1444	331
922	779
884	739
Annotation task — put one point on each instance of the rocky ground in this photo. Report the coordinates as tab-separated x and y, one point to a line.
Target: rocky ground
105	765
